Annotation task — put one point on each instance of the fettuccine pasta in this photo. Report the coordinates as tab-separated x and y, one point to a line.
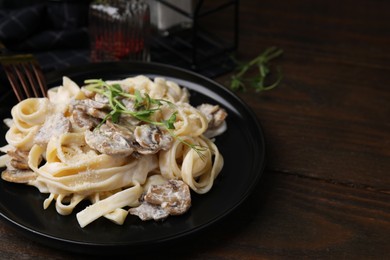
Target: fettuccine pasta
132	146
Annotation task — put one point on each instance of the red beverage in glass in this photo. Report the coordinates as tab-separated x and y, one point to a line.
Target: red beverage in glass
119	30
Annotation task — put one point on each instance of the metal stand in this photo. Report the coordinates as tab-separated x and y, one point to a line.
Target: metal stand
194	47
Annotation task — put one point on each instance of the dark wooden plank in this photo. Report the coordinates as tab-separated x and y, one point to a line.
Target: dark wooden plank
293	217
330	117
303	217
326	128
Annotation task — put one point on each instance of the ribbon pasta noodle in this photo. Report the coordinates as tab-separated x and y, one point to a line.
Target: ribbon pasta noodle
116	144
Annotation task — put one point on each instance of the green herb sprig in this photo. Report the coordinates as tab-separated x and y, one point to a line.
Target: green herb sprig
144	105
261	63
197	148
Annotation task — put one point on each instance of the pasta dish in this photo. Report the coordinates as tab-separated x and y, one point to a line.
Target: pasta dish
133	146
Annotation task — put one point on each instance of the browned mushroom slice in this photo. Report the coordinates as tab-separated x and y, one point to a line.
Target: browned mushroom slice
19	159
174	196
151	139
111	140
101	98
91	107
216	118
18	176
160	201
83	120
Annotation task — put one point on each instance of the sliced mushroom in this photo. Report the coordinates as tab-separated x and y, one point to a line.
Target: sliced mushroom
216	118
18	170
110	139
19	159
151	139
18	176
91	107
160	201
101	99
174	196
83	120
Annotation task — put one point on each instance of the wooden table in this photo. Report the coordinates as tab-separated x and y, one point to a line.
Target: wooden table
326	187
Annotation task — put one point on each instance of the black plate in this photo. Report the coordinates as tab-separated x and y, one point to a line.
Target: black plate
242	146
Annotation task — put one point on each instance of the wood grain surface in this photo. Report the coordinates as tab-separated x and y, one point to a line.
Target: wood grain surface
326	187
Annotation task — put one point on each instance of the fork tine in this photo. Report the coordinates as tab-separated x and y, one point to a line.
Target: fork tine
30	77
19	68
14	82
41	79
25	76
35	77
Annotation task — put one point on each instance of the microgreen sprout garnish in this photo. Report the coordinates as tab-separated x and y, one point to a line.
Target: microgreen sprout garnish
261	64
144	107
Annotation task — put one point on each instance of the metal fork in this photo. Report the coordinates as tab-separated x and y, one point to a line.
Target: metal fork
25	75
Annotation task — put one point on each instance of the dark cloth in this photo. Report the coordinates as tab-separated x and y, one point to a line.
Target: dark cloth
56	32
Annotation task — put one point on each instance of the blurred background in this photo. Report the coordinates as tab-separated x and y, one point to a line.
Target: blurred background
181	33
